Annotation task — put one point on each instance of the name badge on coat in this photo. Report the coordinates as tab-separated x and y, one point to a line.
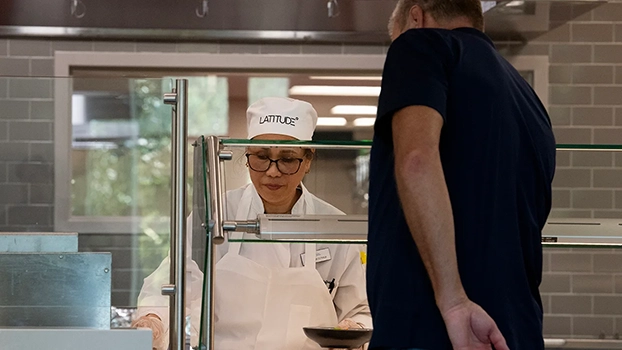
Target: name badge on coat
320	256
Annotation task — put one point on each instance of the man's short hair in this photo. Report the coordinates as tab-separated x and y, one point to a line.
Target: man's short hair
440	10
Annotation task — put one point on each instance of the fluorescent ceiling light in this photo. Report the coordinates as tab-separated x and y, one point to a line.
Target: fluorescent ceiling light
487	5
331	121
364	121
354	110
515	3
345	77
331	90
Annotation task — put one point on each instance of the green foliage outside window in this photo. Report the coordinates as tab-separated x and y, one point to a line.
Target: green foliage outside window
130	176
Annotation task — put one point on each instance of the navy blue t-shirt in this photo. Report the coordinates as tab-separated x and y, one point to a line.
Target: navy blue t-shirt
498	155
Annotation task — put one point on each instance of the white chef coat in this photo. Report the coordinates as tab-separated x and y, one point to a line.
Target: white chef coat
345	266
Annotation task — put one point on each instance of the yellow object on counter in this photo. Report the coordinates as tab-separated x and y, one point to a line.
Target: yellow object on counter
363	256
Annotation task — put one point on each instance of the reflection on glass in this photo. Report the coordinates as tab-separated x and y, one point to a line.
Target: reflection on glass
337	176
208	106
121	154
260	87
121	141
120	148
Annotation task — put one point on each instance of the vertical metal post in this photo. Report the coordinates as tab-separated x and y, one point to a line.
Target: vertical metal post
207	333
179	158
216	188
215	236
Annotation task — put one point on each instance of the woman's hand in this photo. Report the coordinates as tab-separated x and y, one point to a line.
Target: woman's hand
154	323
348	323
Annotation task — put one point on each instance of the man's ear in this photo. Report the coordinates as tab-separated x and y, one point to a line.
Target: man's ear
415	18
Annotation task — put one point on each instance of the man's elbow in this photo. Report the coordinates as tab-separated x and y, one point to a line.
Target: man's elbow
416	162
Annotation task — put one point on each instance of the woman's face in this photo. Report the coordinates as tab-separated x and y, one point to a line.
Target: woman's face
273	186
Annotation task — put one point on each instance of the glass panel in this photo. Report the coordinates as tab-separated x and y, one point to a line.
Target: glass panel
121	142
260	87
89	156
200	245
585	187
582	245
331	144
200	202
333	176
337	176
208	105
120	174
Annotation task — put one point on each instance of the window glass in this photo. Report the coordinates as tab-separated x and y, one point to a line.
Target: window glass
121	141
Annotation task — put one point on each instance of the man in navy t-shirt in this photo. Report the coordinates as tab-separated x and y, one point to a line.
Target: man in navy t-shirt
461	170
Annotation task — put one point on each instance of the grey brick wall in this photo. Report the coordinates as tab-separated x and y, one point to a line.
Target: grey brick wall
582	289
582	292
27	145
585	105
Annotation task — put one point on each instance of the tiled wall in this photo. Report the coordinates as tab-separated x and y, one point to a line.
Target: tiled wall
27	145
582	293
585	105
582	289
26	136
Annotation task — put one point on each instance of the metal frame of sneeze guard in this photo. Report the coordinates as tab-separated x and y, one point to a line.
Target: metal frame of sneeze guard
179	139
282	227
287	228
325	228
276	227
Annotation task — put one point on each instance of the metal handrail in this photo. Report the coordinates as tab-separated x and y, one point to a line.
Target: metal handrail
179	160
215	236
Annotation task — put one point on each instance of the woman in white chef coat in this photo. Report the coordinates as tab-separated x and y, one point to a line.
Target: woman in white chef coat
266	293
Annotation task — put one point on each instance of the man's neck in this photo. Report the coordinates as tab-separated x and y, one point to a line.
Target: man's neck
460	22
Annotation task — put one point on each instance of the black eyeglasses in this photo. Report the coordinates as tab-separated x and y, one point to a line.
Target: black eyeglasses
287	166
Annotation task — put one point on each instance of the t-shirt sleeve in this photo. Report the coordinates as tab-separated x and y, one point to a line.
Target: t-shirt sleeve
415	74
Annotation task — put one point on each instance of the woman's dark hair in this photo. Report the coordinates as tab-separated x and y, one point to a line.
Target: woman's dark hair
309	153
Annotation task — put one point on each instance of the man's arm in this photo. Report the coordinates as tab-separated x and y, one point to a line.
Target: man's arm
423	194
427	208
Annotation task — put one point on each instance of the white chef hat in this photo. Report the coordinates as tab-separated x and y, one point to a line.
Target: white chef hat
283	116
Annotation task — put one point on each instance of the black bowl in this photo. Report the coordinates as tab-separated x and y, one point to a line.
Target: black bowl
329	337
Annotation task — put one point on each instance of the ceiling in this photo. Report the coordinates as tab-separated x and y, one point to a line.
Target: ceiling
360	21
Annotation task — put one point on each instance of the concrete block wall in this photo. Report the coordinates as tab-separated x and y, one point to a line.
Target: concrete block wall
582	290
26	136
585	105
27	145
582	293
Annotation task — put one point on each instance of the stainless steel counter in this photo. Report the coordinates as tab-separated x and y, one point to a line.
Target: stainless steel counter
585	344
55	290
75	339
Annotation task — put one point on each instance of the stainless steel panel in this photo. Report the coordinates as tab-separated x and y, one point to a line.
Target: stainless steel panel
596	231
75	339
38	242
584	344
179	154
358	15
360	21
55	290
305	227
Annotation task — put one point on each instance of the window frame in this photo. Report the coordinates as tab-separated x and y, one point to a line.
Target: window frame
65	61
539	65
